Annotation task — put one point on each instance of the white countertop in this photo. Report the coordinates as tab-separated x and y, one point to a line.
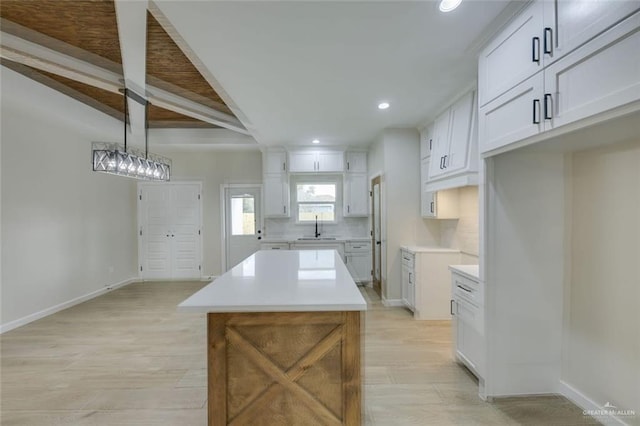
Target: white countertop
422	249
312	241
470	271
281	281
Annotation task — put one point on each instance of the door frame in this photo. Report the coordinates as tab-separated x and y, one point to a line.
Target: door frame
223	216
139	186
376	284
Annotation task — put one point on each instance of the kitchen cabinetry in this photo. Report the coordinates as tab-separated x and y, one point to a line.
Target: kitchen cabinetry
358	260
274	161
426	142
356	162
316	161
274	246
454	157
314	245
467	308
356	195
275	183
426	281
355	185
579	76
408	280
276	195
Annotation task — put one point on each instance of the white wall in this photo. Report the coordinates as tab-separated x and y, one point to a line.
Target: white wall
66	231
524	272
602	340
214	168
404	225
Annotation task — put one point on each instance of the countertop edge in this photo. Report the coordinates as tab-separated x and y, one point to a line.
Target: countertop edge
271	308
419	249
457	269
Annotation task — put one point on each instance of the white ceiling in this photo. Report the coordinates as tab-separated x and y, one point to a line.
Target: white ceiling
305	70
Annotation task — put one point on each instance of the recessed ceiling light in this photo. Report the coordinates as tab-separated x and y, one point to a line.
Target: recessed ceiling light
316	141
383	105
449	5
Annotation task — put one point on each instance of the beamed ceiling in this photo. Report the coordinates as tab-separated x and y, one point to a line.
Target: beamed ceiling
87	31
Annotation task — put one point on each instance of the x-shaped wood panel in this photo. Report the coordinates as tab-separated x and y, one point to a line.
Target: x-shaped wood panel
284	379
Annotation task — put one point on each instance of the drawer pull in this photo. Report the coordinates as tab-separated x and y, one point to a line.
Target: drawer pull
465	289
451	307
535	49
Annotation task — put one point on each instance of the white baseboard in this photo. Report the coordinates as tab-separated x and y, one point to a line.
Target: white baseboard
57	308
608	416
390	303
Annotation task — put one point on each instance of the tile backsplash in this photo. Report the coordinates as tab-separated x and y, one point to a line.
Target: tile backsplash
288	228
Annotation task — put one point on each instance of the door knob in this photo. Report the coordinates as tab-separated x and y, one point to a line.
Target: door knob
378	242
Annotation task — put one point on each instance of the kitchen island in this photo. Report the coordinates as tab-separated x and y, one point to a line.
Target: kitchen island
283	340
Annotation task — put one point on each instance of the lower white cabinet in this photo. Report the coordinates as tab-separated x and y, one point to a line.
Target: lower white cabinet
274	246
467	310
357	257
426	281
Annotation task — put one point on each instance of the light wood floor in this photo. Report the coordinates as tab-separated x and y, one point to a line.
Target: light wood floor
128	358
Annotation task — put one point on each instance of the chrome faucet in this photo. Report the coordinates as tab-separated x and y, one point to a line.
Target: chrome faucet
317	233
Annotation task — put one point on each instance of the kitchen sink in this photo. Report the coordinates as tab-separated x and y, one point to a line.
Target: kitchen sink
317	239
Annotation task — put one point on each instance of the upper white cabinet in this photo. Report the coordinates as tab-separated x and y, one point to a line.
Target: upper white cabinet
356	162
426	142
454	143
275	183
316	161
543	33
276	195
356	185
583	61
356	194
274	161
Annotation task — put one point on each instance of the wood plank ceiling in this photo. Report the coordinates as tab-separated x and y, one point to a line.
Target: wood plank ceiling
87	30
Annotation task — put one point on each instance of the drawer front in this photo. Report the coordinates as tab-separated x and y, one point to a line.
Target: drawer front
357	247
467	289
408	259
274	246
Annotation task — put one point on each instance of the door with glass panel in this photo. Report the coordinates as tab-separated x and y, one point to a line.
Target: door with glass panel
243	222
169	230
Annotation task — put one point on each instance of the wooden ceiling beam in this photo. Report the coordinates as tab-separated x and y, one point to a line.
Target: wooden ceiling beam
31	54
132	33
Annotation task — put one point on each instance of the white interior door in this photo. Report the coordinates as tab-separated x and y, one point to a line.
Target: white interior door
155	235
243	222
185	231
169	231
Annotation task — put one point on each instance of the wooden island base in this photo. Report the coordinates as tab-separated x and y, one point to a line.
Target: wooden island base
284	368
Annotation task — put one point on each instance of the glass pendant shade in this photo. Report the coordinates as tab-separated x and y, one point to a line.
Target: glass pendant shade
113	159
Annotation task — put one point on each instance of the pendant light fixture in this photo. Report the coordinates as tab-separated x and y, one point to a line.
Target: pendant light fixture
116	159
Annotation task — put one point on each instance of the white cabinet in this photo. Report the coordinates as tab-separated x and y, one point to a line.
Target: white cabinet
408	280
274	161
426	142
276	195
316	161
356	195
314	245
454	140
358	260
274	246
580	77
356	162
426	281
427	198
467	310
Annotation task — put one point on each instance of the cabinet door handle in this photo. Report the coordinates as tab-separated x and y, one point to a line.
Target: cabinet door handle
432	207
548	113
536	108
409	277
348	209
284	167
444	162
535	49
451	307
430	144
441	163
548	41
348	165
284	209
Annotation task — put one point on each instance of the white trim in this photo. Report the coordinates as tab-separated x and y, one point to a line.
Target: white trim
57	308
586	403
391	303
